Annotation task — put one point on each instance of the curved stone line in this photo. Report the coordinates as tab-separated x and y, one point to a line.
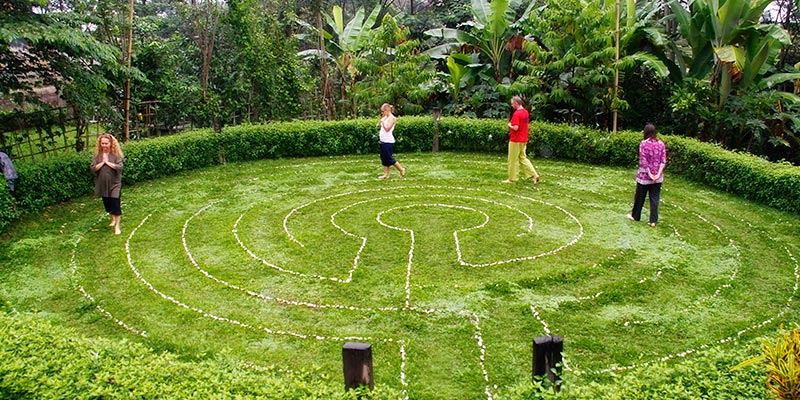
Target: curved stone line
460	258
74	266
541	320
284	270
718	291
473	317
721	341
347	233
413	239
296	209
364	239
447	196
225	319
263	296
234	322
532	257
697	304
305	165
333	216
547	332
292	302
734	273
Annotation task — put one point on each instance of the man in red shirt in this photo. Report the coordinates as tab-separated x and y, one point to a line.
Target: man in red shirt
517	144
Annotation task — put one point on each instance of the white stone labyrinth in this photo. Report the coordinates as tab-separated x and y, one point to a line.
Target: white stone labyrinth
367	265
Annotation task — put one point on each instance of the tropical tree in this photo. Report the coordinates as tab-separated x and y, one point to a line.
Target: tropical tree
267	77
736	55
569	73
203	21
47	47
343	43
166	55
393	72
493	32
728	45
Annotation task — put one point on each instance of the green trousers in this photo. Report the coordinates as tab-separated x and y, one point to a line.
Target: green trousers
518	159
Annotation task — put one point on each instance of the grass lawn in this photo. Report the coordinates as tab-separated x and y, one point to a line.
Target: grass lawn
448	273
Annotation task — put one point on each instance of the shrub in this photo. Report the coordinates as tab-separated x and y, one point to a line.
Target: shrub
8	206
52	180
149	159
782	362
44	361
776	185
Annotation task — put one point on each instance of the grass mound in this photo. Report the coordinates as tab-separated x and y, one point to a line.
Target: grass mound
448	273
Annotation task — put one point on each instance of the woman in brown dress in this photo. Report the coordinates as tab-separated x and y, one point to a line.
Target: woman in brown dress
107	169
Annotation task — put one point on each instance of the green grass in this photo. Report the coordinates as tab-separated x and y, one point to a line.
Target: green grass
279	263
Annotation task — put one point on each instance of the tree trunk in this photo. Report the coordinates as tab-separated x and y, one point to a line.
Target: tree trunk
325	84
205	29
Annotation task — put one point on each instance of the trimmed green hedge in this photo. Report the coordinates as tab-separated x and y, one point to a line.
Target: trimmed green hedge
44	361
61	178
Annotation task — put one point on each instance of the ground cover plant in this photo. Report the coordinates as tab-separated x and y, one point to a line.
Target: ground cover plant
448	273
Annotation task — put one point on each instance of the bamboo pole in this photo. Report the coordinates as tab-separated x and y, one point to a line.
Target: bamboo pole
128	79
616	67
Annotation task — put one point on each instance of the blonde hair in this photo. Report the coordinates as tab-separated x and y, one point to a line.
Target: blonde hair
387	106
115	149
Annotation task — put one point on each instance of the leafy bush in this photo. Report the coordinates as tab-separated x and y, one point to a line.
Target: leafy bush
782	362
53	180
149	159
8	206
44	361
61	178
705	375
773	184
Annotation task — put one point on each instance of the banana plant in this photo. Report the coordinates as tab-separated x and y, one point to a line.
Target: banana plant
343	43
458	75
572	60
728	44
489	33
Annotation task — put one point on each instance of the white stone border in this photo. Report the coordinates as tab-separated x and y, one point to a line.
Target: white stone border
473	318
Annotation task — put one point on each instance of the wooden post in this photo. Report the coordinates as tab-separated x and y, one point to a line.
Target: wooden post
127	84
546	355
357	361
437	115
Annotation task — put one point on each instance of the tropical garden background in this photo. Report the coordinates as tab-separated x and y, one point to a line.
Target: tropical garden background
725	72
283	79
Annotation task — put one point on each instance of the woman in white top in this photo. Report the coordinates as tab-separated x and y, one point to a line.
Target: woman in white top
386	141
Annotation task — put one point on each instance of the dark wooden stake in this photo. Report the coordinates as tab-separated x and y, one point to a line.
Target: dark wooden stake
546	357
357	360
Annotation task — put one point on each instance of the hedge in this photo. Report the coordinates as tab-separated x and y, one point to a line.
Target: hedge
45	361
65	177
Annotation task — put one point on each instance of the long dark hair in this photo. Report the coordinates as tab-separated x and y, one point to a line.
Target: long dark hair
649	131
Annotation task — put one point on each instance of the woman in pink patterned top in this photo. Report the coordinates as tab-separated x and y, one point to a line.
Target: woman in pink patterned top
652	160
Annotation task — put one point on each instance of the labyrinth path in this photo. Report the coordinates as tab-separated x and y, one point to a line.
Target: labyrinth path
448	273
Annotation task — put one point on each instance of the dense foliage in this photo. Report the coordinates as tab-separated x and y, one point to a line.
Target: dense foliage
212	64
